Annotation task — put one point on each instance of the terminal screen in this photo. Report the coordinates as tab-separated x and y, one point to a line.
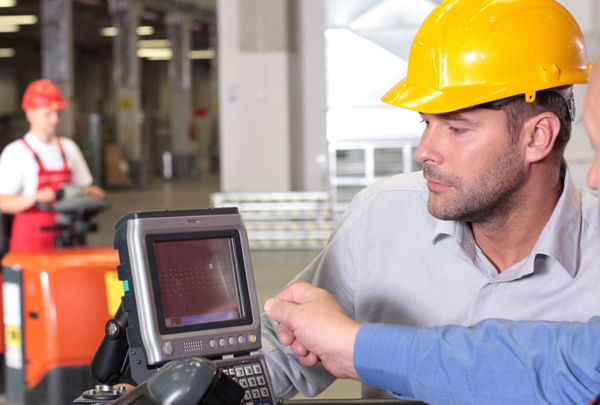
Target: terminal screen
198	282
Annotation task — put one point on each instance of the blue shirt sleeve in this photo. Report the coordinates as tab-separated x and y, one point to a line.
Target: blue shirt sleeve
494	361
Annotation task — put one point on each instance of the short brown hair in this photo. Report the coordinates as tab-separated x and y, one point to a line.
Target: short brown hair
519	110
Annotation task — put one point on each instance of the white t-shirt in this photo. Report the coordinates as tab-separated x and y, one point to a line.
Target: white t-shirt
19	169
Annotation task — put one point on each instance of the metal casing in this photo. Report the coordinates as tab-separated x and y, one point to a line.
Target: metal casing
140	229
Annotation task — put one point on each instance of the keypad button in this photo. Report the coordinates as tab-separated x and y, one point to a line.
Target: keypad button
222	342
257	369
248	370
243	382
264	392
261	380
247	396
213	343
255	393
231	371
241	339
231	341
252	382
239	372
225	371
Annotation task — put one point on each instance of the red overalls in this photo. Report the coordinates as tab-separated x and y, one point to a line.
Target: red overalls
26	234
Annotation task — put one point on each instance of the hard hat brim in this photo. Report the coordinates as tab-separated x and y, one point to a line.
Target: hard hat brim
425	99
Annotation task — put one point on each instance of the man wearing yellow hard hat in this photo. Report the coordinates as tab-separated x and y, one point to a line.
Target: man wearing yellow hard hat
494	226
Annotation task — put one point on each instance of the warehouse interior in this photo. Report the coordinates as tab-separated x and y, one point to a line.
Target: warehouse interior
271	106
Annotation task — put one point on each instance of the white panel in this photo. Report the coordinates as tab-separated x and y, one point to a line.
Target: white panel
394	14
582	12
373	123
356	68
340	13
254	113
395	40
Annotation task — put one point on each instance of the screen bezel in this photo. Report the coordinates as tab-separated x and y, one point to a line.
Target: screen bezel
239	272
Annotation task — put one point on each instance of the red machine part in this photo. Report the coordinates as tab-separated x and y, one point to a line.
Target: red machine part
66	304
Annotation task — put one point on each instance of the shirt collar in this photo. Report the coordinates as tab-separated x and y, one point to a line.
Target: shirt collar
558	240
561	235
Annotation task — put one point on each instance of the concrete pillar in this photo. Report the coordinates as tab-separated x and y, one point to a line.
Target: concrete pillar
308	140
57	54
213	164
126	15
254	95
179	34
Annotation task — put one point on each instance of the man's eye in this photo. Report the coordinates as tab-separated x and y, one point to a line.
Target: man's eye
458	130
425	122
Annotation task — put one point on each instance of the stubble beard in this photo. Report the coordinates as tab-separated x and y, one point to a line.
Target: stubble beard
491	197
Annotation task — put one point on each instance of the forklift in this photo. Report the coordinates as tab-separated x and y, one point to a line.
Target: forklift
55	304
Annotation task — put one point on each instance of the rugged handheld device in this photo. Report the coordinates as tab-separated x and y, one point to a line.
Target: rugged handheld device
189	292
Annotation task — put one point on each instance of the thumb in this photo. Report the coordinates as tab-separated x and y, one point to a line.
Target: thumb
280	311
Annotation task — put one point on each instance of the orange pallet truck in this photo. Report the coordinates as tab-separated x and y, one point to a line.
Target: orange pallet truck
56	304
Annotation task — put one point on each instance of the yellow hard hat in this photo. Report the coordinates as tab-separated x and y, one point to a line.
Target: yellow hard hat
470	52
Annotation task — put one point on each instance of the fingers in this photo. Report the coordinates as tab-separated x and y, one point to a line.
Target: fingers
298	293
46	195
310	360
95	191
286	335
299	350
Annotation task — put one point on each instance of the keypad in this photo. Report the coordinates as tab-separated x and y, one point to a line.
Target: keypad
252	379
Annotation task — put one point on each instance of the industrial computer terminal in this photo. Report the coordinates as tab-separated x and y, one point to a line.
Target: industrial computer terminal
189	292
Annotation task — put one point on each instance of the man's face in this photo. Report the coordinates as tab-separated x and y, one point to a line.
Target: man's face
591	119
472	165
44	121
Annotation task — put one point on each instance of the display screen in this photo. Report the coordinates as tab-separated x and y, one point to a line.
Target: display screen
198	282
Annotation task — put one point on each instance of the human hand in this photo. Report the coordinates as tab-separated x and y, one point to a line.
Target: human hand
45	195
316	326
95	191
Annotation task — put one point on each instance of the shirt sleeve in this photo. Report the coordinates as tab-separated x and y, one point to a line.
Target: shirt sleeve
333	269
494	361
81	176
11	171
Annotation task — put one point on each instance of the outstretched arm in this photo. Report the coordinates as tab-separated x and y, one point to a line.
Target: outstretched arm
494	361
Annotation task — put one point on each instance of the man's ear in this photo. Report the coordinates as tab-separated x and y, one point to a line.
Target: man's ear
541	132
28	114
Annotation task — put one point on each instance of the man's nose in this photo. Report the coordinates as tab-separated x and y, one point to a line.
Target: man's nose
55	116
429	150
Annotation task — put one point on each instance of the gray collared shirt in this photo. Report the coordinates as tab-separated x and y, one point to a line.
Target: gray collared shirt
390	261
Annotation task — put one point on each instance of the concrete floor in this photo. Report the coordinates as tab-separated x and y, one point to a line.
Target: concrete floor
273	269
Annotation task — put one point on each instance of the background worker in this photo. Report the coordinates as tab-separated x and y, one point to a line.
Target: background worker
34	167
496	229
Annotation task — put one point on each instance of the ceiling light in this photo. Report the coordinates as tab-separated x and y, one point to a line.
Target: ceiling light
7	52
8	3
145	30
9	28
154	53
18	19
154	43
109	31
160	58
202	54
